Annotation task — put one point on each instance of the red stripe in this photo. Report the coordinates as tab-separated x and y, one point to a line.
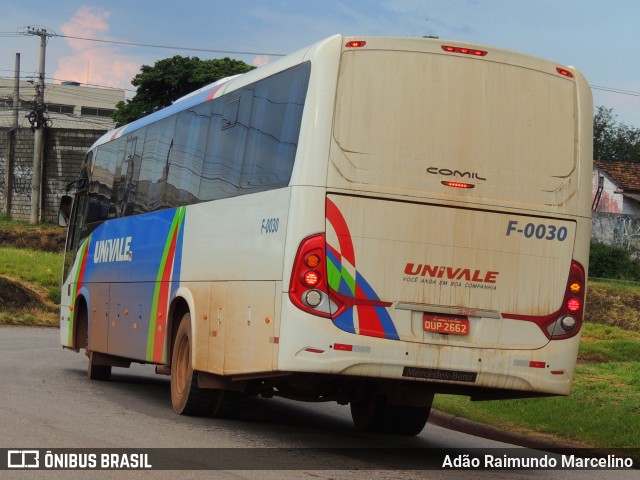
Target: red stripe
83	266
369	322
339	224
213	92
163	300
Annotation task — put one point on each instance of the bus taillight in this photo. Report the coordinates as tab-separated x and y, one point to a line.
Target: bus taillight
308	289
457	184
564	72
569	318
566	321
464	50
356	44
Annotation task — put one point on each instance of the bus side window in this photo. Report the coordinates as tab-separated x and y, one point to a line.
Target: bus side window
230	112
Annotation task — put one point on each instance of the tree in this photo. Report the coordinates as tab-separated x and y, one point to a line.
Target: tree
169	79
613	141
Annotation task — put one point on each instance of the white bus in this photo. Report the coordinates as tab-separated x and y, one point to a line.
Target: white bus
369	220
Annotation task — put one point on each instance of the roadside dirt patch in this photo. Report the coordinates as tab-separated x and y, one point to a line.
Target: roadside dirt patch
45	239
16	296
613	306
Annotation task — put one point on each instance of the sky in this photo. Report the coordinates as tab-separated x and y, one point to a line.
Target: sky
600	38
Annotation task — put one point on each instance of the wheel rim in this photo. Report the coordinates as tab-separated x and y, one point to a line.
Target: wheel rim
182	367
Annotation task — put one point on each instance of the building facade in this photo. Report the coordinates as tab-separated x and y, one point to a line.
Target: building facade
75	116
68	105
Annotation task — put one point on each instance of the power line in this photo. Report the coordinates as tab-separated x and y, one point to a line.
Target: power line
170	47
616	90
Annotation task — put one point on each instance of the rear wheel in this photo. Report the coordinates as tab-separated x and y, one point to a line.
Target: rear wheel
186	397
227	404
374	414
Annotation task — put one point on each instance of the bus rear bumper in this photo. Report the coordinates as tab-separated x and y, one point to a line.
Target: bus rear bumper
324	349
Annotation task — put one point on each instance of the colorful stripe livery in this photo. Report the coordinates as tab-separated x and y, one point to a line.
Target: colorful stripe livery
140	259
365	318
79	279
168	273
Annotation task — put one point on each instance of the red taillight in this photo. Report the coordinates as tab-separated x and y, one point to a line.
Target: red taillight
567	321
464	50
564	72
458	184
311	278
356	44
573	305
308	289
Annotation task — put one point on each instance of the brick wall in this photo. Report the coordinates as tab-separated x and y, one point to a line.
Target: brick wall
63	154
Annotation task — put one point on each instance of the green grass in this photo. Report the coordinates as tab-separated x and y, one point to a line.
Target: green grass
603	409
8	222
43	269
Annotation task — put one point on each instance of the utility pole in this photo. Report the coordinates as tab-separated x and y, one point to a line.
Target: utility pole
39	126
13	140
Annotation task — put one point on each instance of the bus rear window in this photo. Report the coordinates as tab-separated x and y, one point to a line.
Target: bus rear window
401	116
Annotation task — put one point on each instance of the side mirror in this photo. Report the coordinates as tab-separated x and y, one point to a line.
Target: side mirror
66	202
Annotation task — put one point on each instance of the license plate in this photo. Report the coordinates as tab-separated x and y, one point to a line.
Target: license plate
445	324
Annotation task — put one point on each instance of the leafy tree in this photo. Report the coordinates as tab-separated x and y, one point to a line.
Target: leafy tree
169	79
613	141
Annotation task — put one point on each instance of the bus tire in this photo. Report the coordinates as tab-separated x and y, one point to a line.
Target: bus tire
186	397
97	372
374	414
227	404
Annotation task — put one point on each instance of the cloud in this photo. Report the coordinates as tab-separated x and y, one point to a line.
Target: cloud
261	60
91	62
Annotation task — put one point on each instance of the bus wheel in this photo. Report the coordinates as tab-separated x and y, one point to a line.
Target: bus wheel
227	404
97	372
374	414
186	397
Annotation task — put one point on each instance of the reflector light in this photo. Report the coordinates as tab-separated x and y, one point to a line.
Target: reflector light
311	278
575	287
457	184
568	323
533	364
313	298
573	304
313	350
465	51
312	261
564	72
343	347
356	44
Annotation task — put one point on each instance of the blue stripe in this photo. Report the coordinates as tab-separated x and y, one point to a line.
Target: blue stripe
387	324
365	287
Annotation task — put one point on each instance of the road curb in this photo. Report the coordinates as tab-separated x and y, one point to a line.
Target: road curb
464	425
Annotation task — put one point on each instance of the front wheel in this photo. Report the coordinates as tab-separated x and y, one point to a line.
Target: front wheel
186	397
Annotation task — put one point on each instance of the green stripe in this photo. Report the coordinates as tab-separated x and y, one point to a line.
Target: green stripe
177	221
74	285
351	282
333	275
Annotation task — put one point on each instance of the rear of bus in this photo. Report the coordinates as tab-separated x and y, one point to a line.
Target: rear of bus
455	242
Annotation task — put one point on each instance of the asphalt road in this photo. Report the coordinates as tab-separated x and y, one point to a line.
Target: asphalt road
48	402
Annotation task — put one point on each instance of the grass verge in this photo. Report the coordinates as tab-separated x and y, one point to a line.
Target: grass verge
29	287
603	409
